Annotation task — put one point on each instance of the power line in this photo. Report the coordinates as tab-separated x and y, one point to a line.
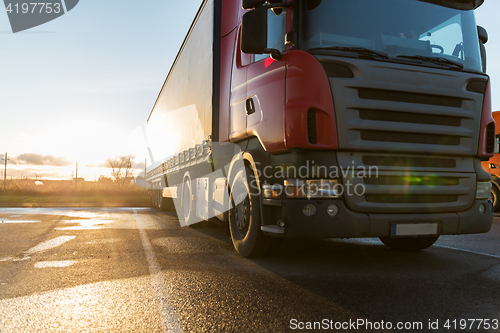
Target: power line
5	174
76	178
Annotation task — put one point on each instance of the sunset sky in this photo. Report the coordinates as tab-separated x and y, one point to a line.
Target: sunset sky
75	88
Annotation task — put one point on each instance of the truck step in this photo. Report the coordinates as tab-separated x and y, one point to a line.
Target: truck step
273	229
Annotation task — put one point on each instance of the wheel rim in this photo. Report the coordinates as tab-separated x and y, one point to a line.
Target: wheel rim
242	214
493	198
186	201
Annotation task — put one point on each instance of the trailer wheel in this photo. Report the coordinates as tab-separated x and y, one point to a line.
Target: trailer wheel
188	201
495	197
165	204
154	198
244	220
409	243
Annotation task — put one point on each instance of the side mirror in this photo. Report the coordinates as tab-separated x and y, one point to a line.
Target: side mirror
254	31
250	4
483	35
483	38
311	4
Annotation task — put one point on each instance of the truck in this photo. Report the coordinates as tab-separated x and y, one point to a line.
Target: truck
492	166
327	119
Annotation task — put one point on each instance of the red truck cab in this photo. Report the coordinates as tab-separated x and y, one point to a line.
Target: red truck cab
348	119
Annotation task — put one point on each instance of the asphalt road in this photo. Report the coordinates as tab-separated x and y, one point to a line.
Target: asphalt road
136	270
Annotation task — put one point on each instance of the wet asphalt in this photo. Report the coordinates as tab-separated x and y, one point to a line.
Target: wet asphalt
137	270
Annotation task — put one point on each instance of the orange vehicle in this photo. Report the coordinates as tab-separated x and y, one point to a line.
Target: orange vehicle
493	165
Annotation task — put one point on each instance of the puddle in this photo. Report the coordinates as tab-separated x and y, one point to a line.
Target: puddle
104	241
85	225
76	228
50	244
54	264
82	215
88	222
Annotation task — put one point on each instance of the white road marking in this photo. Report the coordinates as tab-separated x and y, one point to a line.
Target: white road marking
169	319
468	251
19	221
50	244
54	264
21	259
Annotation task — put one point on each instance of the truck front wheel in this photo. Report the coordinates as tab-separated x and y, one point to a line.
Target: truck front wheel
409	243
244	219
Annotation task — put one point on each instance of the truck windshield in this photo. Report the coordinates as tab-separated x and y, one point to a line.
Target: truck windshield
407	30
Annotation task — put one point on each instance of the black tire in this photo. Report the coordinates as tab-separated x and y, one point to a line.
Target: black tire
154	198
244	220
495	197
188	203
165	204
409	243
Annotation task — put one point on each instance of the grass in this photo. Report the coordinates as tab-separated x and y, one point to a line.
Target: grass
100	193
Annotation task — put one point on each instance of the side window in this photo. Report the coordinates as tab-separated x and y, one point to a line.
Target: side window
276	30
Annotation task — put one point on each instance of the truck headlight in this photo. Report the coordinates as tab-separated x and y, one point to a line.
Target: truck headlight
313	188
483	190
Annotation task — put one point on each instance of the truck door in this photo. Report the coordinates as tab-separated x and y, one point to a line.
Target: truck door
266	77
237	113
258	89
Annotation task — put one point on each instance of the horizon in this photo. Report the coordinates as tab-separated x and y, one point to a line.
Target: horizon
49	167
75	92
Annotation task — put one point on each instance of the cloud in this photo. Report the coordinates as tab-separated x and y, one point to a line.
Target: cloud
38	159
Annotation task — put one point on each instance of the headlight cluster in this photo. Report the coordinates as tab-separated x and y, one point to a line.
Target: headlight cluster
299	188
313	188
483	190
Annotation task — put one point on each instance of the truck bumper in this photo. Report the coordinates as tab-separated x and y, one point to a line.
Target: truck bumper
349	224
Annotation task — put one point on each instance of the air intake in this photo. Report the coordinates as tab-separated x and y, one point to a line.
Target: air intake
311	127
407	97
490	138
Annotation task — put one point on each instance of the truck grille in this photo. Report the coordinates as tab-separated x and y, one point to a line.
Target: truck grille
389	107
405	137
409	97
408	184
411	199
426	180
417	126
409	162
411	118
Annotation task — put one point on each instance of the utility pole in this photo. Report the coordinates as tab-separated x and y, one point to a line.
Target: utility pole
76	178
5	174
